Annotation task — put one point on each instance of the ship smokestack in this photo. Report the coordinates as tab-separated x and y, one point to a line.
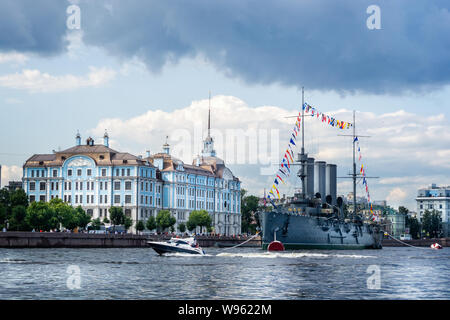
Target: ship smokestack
310	178
331	182
319	179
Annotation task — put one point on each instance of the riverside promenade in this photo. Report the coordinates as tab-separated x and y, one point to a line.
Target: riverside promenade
13	239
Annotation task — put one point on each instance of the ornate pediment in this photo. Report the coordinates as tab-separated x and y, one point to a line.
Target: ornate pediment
79	162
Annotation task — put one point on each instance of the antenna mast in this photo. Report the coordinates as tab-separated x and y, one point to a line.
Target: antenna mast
302	157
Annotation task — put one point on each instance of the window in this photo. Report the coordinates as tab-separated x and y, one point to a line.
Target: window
128	198
69	172
32	173
123	172
117	172
92	185
104	172
128	172
106	198
32	198
101	199
42	198
55	173
92	198
89	172
128	185
117	185
90	212
128	212
117	198
101	185
32	186
42	186
79	172
106	185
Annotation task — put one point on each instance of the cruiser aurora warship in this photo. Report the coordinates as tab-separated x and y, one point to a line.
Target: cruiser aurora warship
313	218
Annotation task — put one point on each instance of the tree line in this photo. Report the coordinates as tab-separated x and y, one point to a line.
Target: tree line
17	214
430	226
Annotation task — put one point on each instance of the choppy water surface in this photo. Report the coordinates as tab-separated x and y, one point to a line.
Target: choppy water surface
241	273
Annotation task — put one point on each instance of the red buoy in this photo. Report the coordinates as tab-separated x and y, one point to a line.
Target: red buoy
275	246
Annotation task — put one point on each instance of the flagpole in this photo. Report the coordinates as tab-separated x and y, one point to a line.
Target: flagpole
354	165
302	155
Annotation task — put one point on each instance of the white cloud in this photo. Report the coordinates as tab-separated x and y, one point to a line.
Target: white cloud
406	150
14	58
13	101
36	81
10	173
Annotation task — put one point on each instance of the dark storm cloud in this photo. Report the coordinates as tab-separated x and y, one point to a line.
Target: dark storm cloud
319	44
33	26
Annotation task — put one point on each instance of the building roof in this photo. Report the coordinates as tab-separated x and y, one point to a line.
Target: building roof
101	154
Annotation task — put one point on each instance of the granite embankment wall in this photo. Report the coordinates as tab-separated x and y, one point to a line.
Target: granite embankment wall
88	240
445	242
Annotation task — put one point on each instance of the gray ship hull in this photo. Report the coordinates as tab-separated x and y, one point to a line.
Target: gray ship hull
311	232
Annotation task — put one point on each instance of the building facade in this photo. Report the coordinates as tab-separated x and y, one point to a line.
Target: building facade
96	177
435	198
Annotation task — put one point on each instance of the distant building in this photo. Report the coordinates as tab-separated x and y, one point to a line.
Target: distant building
435	198
394	222
14	185
206	184
96	177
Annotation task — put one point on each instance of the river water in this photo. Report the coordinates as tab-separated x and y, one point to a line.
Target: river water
240	273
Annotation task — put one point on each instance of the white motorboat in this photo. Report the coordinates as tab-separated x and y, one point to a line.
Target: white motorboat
177	245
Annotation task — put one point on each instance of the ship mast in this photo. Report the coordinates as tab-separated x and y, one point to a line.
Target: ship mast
354	164
302	157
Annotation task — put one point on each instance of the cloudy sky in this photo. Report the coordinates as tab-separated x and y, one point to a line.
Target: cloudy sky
144	70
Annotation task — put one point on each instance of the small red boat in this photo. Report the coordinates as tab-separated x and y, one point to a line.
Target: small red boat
436	246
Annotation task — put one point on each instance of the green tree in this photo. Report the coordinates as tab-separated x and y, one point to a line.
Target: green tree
414	227
432	223
140	226
182	227
82	217
96	223
249	210
17	220
18	198
127	223
5	197
165	220
106	220
151	223
117	216
41	216
64	213
199	218
2	215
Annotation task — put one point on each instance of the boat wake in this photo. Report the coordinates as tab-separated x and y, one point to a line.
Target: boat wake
180	254
272	255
